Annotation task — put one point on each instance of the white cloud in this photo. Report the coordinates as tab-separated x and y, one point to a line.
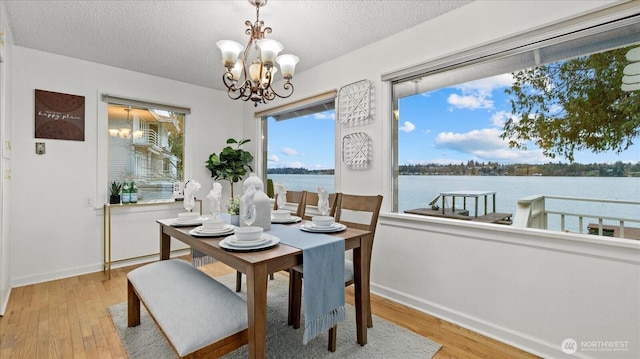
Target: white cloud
324	116
274	159
289	151
499	118
477	94
407	127
467	142
473	101
296	165
486	145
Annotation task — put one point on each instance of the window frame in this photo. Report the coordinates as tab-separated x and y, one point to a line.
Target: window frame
102	173
298	106
614	19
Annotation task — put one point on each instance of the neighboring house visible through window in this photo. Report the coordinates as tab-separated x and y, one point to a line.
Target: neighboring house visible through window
146	147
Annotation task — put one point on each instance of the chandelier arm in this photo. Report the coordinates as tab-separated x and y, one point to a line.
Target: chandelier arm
288	88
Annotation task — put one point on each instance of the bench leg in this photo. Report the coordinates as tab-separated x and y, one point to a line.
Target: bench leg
133	306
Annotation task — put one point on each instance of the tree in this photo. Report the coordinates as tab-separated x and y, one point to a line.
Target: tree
574	105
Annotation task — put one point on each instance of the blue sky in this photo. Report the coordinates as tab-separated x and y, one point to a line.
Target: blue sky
450	125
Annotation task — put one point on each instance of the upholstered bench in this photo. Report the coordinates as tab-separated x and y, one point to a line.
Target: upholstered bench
199	316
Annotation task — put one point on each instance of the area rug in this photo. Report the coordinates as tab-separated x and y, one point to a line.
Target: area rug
385	339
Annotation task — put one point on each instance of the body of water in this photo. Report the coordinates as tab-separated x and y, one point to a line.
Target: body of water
418	191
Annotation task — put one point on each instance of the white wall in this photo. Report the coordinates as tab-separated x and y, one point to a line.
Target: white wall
522	287
531	288
5	159
52	233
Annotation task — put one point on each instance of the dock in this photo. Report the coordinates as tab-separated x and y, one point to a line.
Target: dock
463	213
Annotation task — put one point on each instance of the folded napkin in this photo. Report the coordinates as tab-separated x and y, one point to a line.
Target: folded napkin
190	189
323	260
323	201
247	207
281	191
214	197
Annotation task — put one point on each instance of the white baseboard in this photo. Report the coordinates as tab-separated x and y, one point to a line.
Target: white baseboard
4	300
45	277
523	341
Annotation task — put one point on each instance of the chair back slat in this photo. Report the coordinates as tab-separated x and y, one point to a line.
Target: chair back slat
359	211
296	202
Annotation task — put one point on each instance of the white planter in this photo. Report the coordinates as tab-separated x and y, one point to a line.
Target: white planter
231	218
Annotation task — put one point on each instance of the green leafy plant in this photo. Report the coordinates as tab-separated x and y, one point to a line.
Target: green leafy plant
231	164
115	189
233	206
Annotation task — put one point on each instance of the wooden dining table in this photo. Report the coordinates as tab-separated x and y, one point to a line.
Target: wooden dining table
257	266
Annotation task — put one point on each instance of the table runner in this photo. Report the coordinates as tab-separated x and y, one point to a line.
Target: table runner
323	259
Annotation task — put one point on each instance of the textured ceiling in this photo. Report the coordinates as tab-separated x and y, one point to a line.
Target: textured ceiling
176	39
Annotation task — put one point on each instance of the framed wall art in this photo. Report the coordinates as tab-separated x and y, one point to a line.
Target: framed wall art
59	116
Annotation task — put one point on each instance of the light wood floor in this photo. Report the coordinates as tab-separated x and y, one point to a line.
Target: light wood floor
68	318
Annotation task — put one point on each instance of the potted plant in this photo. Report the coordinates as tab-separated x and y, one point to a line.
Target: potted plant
114	192
231	164
232	215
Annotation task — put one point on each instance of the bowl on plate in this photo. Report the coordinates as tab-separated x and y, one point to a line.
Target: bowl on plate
213	223
188	216
248	233
280	214
322	221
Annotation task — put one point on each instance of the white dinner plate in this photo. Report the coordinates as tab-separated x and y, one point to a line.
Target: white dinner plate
310	227
196	222
230	243
196	233
226	228
291	219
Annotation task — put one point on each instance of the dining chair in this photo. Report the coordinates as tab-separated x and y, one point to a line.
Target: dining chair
295	203
311	205
354	211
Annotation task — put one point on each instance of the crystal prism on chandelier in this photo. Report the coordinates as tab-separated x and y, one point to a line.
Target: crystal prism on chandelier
257	86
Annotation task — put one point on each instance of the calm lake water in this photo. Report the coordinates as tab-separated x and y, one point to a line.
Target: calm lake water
418	191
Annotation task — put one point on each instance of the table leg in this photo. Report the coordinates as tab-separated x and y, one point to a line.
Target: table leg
257	310
361	279
165	245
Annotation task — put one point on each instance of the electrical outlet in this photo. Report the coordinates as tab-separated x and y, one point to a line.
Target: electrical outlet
88	202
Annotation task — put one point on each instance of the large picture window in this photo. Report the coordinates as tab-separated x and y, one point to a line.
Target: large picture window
549	117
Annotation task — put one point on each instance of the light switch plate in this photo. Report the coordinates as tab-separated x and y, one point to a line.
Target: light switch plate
40	149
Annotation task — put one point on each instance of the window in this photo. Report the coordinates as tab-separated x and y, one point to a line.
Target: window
450	115
299	145
145	146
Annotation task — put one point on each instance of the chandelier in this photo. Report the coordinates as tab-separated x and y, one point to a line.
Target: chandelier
260	69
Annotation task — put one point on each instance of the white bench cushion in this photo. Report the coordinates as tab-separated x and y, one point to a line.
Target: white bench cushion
192	309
